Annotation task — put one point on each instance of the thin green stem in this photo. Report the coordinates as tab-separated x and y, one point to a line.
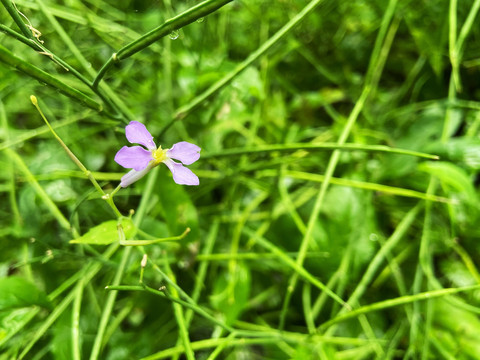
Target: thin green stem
292	264
107	310
187	109
402	300
112	100
15	14
77	162
316	147
373	75
87	273
367	186
154	241
180	318
191	15
8	58
51	206
77	303
185	304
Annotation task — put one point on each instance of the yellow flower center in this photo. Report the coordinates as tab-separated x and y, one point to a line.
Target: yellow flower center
159	155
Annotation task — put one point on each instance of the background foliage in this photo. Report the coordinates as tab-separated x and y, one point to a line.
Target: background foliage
294	252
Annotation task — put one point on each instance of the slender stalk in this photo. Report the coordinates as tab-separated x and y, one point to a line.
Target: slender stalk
180	318
112	100
8	58
203	9
51	206
107	310
44	51
316	147
154	241
186	304
293	264
15	14
77	303
187	109
77	162
377	60
402	300
369	186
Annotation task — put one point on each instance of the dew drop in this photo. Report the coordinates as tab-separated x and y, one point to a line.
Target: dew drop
174	35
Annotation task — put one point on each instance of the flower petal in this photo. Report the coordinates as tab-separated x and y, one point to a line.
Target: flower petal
185	152
181	174
134	157
137	133
133	175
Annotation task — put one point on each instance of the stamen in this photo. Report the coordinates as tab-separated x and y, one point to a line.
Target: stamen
159	155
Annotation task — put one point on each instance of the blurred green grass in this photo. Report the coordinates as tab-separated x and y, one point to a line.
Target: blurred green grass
279	240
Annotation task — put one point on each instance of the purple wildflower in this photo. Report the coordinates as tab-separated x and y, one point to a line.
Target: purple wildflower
141	160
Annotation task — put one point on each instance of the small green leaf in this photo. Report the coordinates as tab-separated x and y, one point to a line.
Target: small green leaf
16	292
105	233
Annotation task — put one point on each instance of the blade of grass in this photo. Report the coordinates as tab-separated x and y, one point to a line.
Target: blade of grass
8	58
112	100
292	264
368	186
86	273
383	43
108	308
77	303
402	300
77	162
191	15
183	111
316	147
14	13
57	214
180	317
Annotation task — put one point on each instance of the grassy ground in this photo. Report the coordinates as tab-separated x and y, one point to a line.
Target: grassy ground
337	212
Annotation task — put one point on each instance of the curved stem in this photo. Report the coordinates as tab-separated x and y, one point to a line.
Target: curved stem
175	23
104	70
8	58
44	51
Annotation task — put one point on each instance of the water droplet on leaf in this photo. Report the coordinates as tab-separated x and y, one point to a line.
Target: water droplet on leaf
174	35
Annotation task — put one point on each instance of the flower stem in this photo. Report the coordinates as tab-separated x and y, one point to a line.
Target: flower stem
154	241
72	156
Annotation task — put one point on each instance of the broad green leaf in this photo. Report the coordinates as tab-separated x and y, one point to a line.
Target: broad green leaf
105	233
16	292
